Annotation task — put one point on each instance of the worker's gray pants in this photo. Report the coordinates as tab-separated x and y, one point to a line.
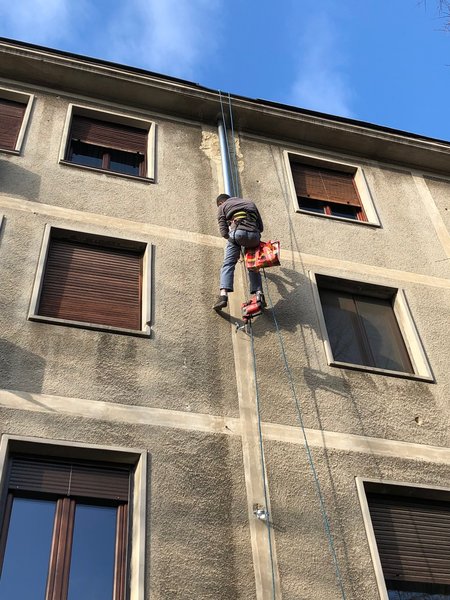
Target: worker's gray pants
239	239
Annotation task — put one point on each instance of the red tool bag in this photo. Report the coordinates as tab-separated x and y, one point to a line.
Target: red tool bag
266	255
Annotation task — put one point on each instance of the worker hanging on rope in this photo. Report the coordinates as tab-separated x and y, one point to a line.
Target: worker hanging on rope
241	224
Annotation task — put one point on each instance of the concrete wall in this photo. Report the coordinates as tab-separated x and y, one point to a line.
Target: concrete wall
404	247
187	394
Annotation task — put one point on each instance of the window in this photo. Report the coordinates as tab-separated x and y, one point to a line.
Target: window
326	191
411	527
109	142
329	189
91	280
75	515
64	533
362	328
15	110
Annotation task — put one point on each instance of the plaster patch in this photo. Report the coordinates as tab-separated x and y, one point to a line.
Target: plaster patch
210	146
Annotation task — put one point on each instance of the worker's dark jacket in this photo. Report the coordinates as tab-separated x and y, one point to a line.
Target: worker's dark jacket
237	213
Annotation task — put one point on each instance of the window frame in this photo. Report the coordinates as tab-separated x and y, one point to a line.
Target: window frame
402	313
370	533
110	117
359	179
146	284
28	100
136	458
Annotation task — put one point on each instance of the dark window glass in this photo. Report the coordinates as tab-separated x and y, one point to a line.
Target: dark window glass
341	210
55	544
92	566
330	208
26	560
311	205
406	590
119	161
125	162
86	154
363	330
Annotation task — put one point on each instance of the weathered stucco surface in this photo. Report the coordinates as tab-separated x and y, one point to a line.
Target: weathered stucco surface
202	539
440	191
197	525
306	566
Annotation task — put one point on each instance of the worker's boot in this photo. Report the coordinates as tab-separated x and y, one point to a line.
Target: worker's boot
222	302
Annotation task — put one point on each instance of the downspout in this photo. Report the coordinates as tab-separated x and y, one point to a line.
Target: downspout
226	166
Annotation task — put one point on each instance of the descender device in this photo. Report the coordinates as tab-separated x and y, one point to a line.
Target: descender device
251	308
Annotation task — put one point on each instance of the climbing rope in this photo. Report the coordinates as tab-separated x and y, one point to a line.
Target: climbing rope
326	522
234	160
263	461
235	184
287	368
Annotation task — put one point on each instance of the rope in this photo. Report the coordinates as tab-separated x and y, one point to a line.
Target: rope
258	407
326	522
236	170
233	183
325	519
263	462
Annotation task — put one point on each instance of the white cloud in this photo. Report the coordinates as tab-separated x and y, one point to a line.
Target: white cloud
169	36
321	83
39	21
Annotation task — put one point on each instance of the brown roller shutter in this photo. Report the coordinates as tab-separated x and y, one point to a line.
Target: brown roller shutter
69	478
327	185
11	117
92	284
413	537
109	135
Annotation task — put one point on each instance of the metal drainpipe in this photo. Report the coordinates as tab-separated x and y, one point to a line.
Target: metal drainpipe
226	167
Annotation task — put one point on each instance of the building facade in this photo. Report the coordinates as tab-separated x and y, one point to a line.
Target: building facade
150	449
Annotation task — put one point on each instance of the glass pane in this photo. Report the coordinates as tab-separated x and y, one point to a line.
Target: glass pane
86	154
402	595
315	206
342	327
342	210
28	545
92	566
408	590
125	162
383	334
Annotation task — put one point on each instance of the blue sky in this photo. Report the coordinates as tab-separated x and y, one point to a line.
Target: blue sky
382	61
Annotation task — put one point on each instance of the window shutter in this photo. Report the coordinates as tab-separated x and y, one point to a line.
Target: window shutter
413	537
11	117
327	185
92	284
69	478
109	135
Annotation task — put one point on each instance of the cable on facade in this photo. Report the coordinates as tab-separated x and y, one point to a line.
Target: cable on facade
233	183
287	368
252	343
234	159
326	522
263	461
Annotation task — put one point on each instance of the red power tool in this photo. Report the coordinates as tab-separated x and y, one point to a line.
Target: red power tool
252	308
